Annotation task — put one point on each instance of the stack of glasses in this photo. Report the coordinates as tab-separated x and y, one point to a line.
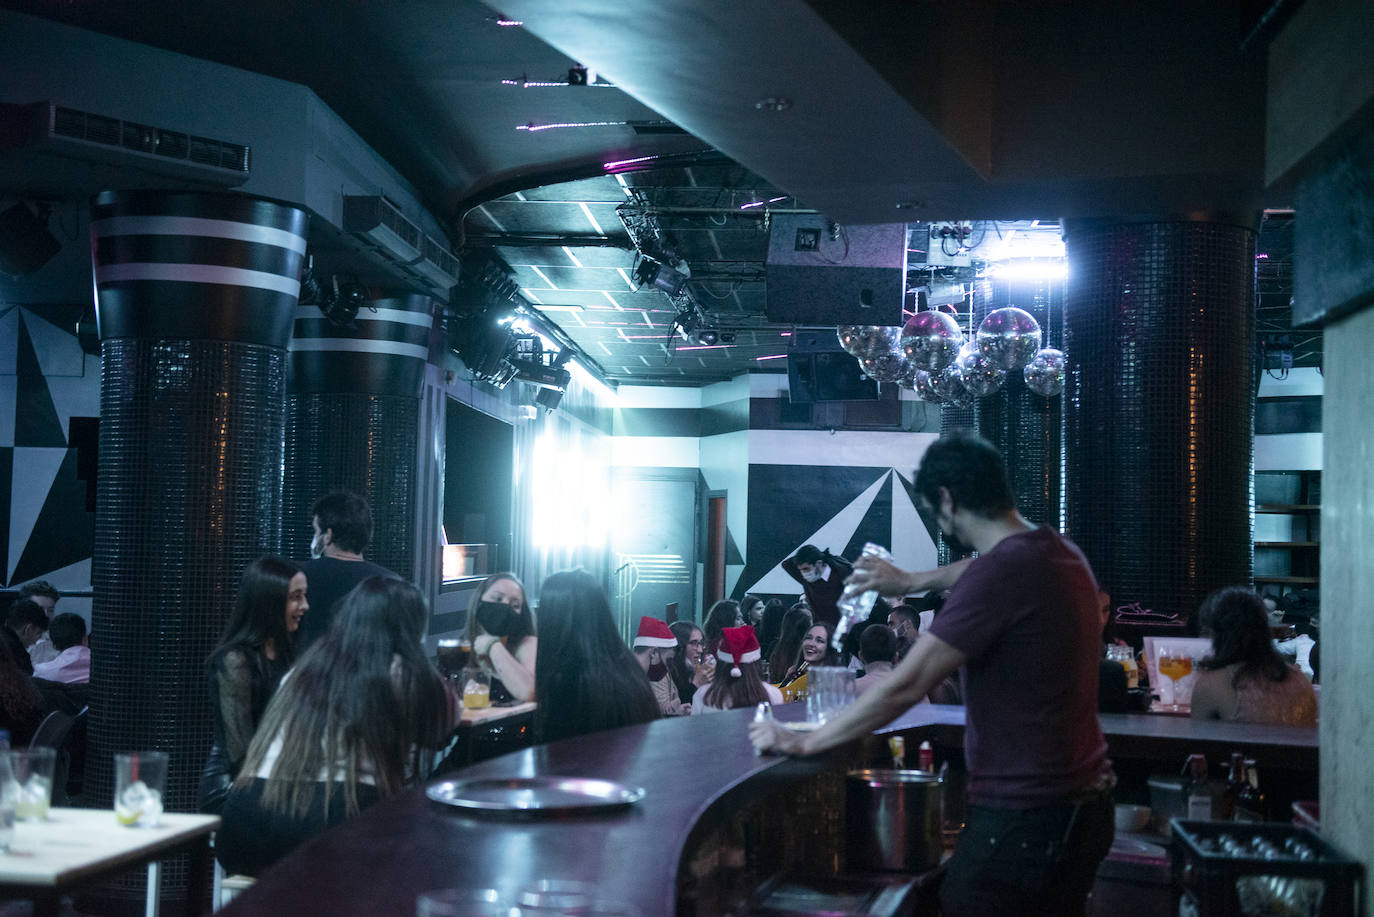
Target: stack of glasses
830	689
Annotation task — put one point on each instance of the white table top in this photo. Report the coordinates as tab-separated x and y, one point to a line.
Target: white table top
75	843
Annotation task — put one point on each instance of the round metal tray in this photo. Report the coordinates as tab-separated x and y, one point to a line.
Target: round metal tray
534	795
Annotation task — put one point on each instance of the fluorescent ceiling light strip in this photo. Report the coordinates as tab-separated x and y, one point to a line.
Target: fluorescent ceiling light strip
628	282
197	226
569	252
532	295
591	219
543	277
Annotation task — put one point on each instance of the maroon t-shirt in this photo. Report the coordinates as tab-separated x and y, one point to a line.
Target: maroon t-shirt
1026	615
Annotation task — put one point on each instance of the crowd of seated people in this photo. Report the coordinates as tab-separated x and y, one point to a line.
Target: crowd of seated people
347	727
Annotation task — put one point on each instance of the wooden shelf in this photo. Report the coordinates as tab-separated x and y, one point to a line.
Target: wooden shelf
1288	508
1291	580
1287	544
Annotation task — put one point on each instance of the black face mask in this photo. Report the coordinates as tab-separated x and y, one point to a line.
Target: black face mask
497	618
657	670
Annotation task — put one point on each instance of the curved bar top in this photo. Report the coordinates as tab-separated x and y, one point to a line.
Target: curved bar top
381	861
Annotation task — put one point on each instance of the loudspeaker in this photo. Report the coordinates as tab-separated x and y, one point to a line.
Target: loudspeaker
819	273
25	243
819	370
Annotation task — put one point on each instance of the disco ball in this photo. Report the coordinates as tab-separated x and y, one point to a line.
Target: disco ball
931	340
1009	337
1045	373
872	340
884	367
949	387
923	384
977	372
849	337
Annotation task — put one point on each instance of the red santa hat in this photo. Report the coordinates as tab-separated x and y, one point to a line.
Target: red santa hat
738	645
653	632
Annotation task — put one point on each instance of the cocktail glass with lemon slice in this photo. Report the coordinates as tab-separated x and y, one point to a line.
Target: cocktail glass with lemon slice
140	778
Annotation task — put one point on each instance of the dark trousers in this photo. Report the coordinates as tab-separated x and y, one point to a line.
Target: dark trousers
1038	861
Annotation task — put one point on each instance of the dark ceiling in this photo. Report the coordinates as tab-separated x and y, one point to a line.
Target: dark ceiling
888	111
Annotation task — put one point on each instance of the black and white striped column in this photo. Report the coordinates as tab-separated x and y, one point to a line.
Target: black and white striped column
195	297
355	421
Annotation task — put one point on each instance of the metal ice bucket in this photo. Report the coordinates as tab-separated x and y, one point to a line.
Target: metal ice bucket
892	820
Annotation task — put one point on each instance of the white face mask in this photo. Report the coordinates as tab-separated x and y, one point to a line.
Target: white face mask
811	575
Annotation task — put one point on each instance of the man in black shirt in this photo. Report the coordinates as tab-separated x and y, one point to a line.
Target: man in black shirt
822	576
343	528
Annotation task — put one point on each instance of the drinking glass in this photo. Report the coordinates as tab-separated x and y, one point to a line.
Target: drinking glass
33	770
140	779
476	688
452	656
568	898
1175	665
461	902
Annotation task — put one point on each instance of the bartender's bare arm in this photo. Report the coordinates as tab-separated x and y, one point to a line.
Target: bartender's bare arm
928	663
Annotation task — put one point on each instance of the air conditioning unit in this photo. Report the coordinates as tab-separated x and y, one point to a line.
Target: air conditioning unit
52	128
376	220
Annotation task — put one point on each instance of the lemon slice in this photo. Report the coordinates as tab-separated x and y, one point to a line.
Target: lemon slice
128	816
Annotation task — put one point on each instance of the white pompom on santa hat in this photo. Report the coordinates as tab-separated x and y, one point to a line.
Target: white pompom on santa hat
653	632
738	645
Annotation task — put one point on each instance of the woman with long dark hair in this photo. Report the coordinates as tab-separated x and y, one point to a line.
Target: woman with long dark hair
814	650
588	679
768	631
501	629
345	729
738	681
1245	680
682	664
793	628
723	614
254	652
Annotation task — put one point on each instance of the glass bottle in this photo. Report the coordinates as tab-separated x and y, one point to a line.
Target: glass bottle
1198	790
854	606
1251	806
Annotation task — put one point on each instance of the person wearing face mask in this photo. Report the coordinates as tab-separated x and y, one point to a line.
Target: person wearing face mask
652	641
342	523
502	633
822	576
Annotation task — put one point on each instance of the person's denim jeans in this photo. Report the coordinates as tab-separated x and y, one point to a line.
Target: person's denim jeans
1038	861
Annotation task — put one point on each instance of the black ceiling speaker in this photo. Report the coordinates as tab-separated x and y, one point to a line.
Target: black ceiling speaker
820	273
25	243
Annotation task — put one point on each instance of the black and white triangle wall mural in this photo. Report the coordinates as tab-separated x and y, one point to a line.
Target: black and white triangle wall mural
836	508
46	528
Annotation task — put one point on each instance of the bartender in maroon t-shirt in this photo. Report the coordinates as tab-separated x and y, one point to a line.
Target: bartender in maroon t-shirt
1021	625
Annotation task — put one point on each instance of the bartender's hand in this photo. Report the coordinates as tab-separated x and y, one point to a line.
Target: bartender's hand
769	737
872	572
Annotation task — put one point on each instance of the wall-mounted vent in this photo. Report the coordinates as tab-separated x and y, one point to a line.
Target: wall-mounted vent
49	127
376	220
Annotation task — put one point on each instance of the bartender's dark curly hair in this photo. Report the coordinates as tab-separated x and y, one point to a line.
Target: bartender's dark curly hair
973	472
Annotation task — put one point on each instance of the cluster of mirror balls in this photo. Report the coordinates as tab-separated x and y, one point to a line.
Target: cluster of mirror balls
930	355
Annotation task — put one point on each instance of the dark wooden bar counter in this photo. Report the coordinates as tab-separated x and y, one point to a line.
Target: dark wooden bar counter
698	771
